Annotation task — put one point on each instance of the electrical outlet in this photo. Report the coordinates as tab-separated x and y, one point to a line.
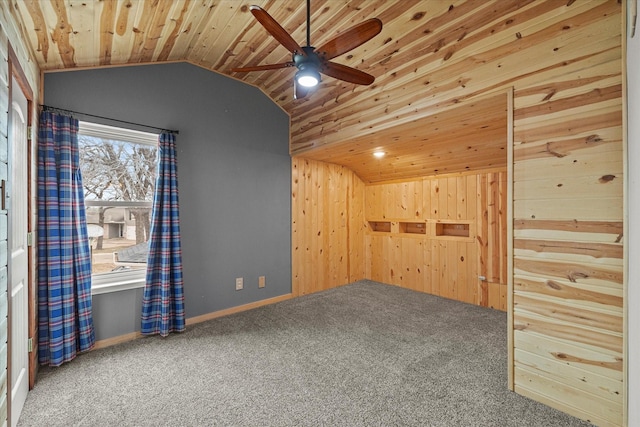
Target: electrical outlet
261	282
239	283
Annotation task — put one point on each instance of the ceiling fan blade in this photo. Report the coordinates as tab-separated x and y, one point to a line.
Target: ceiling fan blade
279	33
263	67
350	39
299	91
348	74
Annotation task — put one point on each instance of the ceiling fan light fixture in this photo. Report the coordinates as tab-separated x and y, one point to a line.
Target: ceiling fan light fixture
307	76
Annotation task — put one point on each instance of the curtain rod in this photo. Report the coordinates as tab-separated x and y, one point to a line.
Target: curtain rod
63	110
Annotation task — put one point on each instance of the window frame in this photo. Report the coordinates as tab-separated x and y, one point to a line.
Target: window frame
115	281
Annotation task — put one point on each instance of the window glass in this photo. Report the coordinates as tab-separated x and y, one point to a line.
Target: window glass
118	175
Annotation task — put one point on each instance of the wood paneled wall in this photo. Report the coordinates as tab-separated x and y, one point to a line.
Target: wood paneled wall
444	265
568	230
327	210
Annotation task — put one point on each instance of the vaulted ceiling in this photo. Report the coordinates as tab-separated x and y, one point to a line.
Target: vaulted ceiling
442	68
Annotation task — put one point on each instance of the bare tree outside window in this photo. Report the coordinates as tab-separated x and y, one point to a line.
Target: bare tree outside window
119	172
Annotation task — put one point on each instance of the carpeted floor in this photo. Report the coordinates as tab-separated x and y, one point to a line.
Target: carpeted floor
364	354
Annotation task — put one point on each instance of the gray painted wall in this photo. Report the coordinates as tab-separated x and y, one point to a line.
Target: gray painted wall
234	177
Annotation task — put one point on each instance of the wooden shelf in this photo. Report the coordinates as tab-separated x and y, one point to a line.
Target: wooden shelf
380	226
452	229
446	229
413	227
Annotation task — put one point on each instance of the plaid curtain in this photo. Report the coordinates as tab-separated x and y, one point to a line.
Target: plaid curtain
163	299
65	324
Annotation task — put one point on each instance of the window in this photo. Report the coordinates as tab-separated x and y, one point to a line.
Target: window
118	175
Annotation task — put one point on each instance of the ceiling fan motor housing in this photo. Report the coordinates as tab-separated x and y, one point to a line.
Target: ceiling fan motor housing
309	58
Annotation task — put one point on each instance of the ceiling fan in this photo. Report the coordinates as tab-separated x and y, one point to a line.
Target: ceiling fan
311	61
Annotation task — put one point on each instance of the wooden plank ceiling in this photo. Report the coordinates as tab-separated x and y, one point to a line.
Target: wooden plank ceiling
421	60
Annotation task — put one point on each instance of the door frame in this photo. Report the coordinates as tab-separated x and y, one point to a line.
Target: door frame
16	72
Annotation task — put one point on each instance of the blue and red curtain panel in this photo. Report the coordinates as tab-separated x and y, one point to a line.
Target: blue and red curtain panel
163	298
65	325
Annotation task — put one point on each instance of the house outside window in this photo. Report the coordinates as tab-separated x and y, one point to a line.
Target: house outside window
118	174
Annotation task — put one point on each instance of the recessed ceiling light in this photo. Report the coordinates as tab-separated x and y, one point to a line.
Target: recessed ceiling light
379	154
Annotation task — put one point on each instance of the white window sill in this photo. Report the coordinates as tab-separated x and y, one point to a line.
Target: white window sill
118	282
116	287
